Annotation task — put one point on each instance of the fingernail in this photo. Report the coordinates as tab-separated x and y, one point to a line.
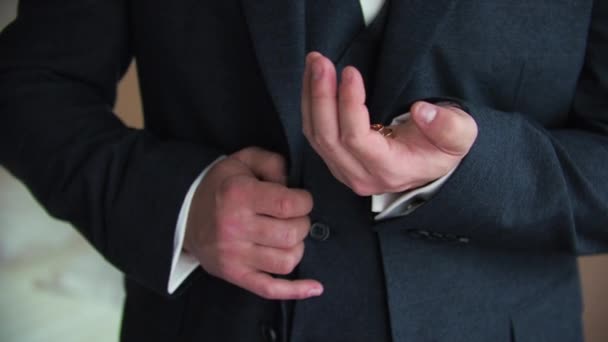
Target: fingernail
317	70
315	292
312	56
428	112
347	75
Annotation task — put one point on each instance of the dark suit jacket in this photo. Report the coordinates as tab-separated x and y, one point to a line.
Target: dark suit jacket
490	258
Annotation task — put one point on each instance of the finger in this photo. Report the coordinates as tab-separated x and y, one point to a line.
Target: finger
274	260
279	201
278	233
353	114
265	165
323	103
449	129
306	112
305	101
268	287
325	125
367	146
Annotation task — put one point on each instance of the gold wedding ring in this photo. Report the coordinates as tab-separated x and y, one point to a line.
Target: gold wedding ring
385	131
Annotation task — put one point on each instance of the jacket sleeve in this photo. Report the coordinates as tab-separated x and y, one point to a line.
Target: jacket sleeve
524	186
121	188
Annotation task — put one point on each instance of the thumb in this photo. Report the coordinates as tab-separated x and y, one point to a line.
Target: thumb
265	165
448	128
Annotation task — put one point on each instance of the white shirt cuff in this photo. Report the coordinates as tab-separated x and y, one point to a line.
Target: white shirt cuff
184	263
402	203
393	205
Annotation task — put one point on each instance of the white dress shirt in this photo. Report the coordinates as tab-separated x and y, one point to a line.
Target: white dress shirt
386	205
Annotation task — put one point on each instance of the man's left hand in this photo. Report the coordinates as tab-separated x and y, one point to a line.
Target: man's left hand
336	122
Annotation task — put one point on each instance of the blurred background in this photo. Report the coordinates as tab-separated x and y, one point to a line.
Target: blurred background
55	287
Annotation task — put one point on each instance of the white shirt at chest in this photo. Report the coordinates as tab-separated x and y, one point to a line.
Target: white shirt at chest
370	9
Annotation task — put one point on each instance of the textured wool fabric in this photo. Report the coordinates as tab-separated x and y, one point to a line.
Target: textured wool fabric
331	25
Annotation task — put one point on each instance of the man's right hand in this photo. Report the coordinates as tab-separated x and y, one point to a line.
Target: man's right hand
245	225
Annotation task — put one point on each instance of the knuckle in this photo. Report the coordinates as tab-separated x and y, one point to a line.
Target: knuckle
239	155
283	206
230	187
246	153
227	226
269	291
350	140
234	188
288	238
275	161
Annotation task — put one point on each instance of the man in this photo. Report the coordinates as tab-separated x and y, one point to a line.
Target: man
486	192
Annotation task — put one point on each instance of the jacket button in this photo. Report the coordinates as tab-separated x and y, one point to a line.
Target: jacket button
268	333
319	231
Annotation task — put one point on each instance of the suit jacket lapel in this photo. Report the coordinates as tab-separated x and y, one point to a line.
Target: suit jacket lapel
278	34
409	34
277	31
